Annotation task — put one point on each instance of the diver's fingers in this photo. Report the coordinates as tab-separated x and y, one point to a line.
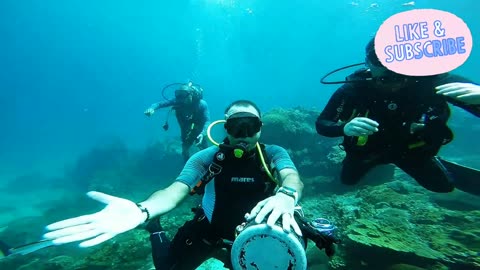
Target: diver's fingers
449	87
69	231
366	126
77	237
274	216
469	96
256	210
295	226
286	220
368	121
102	197
71	222
97	240
454	92
267	208
361	131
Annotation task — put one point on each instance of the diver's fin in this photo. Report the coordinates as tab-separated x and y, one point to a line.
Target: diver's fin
464	178
24	249
4	250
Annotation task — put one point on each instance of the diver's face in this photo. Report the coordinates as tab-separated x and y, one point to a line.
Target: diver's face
243	125
384	78
183	97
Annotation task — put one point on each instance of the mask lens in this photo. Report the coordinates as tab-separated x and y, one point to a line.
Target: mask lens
390	78
243	127
373	60
181	94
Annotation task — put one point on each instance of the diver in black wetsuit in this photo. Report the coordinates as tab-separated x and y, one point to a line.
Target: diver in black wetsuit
391	118
192	114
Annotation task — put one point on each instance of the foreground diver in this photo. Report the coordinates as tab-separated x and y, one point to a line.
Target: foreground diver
192	114
239	190
386	117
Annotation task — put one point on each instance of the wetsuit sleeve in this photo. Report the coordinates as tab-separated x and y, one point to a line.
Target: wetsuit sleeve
162	104
196	166
328	123
279	157
451	78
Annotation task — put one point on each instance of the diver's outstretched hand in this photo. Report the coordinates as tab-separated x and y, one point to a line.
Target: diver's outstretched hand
120	215
466	92
149	112
360	126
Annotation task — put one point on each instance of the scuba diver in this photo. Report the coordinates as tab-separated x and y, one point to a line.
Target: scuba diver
385	117
239	180
191	112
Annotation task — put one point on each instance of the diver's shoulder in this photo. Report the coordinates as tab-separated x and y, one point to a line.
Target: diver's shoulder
349	89
203	103
205	154
211	150
450	78
274	148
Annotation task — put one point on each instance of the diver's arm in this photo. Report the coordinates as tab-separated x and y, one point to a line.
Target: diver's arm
473	109
282	204
165	200
291	179
162	104
329	128
328	122
452	78
205	116
287	172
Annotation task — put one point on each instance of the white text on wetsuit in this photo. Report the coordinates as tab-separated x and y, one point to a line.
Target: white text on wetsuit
243	179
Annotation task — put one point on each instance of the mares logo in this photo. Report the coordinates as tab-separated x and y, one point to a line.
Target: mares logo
242	180
423	42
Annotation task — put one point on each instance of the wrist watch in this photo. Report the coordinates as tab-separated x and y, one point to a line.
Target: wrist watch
144	210
289	192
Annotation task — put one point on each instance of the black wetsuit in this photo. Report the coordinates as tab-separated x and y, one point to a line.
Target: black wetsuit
193	120
415	153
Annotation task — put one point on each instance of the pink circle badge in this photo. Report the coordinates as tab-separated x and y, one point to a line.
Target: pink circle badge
423	42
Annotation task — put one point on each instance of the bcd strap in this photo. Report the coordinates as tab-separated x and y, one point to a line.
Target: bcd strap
215	168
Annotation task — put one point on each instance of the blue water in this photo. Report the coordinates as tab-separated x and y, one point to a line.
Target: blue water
78	73
73	73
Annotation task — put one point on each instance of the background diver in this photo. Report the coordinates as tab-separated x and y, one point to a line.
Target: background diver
387	117
192	114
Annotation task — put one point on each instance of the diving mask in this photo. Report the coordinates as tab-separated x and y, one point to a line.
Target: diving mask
243	126
181	94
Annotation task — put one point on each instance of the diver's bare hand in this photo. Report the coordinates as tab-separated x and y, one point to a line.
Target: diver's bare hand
360	126
149	112
465	92
279	205
120	215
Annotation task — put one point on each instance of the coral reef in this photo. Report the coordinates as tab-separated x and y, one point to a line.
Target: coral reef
387	222
406	228
294	129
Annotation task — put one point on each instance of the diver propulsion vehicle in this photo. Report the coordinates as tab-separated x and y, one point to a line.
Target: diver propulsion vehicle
259	246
